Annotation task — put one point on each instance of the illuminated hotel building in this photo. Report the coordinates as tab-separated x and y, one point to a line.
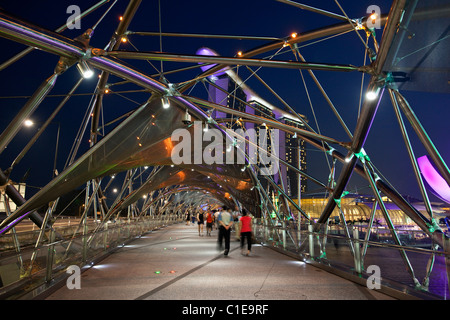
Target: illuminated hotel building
291	149
295	154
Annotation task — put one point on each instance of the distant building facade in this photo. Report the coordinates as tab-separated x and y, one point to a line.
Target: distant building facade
292	149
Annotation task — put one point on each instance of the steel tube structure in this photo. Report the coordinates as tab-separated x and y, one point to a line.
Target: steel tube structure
423	136
370	178
54	43
23	53
57	44
31	105
230	61
316	10
275	124
17	198
197	35
302	37
113	45
411	154
368	111
101	159
45	125
362	129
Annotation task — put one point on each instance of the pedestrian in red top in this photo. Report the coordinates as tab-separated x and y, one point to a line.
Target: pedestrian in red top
209	223
245	223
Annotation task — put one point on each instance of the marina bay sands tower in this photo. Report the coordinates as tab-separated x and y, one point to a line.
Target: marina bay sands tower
227	89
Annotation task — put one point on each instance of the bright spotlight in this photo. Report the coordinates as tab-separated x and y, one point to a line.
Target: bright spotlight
28	123
372	94
84	69
165	102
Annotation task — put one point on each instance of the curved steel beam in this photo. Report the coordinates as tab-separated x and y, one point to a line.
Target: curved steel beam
16	124
60	29
232	61
277	44
269	122
368	111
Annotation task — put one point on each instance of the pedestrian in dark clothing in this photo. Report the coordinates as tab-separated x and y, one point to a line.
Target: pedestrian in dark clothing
200	220
225	222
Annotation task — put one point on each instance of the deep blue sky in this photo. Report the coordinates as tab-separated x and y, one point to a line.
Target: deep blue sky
254	18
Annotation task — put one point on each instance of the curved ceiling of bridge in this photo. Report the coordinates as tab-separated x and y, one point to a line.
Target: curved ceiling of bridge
144	139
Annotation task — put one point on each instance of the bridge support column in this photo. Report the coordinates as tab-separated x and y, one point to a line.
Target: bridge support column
357	250
447	257
50	255
311	240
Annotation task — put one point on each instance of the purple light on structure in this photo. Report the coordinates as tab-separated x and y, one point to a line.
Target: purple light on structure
434	179
209	52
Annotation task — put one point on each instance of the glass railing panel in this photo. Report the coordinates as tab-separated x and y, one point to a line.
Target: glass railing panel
354	248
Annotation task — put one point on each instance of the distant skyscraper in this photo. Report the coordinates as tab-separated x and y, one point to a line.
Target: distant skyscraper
291	149
295	154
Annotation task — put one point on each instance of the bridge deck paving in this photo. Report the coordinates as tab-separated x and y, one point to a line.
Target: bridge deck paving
175	263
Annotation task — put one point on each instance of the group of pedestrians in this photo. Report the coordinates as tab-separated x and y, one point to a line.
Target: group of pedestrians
225	220
243	230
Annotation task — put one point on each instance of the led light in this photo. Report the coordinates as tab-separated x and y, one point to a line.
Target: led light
120	18
165	102
373	17
28	123
372	95
187	118
84	69
293	35
239	53
124	39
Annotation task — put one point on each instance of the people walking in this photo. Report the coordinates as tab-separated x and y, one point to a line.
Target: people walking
188	218
209	222
225	222
245	223
200	222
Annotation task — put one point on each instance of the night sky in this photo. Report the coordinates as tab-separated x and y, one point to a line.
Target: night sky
267	18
